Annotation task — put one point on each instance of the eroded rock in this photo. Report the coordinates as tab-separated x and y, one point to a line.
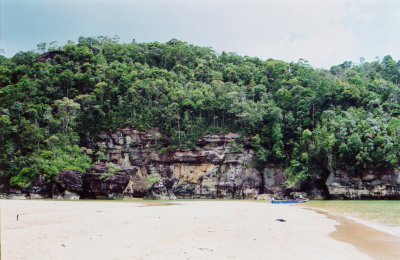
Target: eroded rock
161	190
366	184
211	170
263	197
71	180
67	195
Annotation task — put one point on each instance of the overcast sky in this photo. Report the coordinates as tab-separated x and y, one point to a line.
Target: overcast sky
324	32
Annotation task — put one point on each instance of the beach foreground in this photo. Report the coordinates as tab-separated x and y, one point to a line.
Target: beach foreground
184	230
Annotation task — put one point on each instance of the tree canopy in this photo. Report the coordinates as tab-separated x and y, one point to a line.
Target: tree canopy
306	120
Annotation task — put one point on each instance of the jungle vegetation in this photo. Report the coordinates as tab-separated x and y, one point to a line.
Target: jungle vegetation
307	120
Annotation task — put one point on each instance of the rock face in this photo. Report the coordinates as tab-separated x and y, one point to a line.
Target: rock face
146	168
139	165
48	55
106	180
213	170
162	190
70	180
367	184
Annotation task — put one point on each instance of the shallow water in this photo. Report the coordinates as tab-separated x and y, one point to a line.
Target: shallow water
380	214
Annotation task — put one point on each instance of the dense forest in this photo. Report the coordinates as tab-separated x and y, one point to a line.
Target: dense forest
305	120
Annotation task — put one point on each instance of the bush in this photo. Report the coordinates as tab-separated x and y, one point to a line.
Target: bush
152	178
50	162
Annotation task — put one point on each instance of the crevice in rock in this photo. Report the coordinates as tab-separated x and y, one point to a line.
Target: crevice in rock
219	175
262	188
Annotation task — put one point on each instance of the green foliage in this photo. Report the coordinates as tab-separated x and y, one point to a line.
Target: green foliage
262	154
152	178
297	172
306	120
112	168
50	162
66	113
105	175
235	147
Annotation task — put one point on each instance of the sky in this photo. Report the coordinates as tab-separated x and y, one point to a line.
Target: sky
323	32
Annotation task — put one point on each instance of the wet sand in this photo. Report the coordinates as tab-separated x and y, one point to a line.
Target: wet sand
377	244
184	230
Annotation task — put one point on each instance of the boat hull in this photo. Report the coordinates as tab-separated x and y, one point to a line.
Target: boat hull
288	201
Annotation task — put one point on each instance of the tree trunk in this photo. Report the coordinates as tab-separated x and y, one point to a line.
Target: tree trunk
179	133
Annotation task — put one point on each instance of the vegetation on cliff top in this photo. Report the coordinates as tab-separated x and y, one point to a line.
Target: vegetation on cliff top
306	120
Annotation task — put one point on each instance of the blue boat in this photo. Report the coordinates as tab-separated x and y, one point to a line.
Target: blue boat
289	201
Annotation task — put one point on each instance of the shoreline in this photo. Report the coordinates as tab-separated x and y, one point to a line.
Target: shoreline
346	216
395	231
336	231
376	240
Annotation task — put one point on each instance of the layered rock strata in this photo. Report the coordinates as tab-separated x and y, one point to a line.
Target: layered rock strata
215	169
364	184
141	165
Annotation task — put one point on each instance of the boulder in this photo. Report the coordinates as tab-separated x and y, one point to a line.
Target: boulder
67	195
298	195
36	197
71	180
106	184
263	197
161	190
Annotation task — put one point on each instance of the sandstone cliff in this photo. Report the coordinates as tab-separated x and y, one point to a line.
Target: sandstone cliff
364	184
213	170
139	165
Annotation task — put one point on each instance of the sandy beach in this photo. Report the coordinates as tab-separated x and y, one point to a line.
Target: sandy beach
184	230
